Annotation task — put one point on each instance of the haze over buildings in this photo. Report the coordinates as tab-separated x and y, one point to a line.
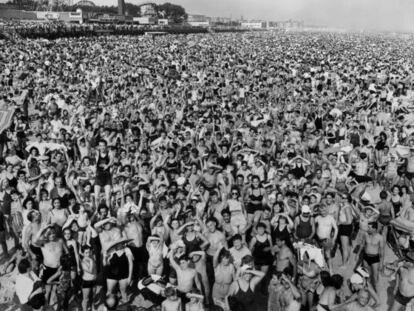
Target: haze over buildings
356	14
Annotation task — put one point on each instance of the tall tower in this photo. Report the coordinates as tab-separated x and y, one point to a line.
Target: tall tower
121	7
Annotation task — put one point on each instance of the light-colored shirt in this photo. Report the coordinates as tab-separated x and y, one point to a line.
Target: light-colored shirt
24	286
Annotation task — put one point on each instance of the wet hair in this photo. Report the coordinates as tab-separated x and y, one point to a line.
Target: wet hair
325	278
23	266
236	237
336	281
170	291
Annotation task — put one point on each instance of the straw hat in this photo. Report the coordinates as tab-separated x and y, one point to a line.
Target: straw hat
122	242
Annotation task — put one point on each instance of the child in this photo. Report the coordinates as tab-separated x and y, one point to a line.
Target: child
89	275
172	303
196	302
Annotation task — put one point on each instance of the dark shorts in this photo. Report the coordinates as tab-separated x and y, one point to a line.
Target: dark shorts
385	219
117	273
254	207
47	273
402	300
345	230
103	179
88	284
409	175
371	259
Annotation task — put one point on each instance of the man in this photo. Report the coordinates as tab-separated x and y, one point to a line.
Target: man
134	231
373	252
285	259
326	232
187	278
30	232
361	303
290	296
404	289
304	225
29	293
216	239
104	161
238	251
52	249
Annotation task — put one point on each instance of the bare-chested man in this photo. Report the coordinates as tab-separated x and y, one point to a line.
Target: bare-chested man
326	232
108	233
187	278
373	252
404	289
284	256
52	249
30	233
133	230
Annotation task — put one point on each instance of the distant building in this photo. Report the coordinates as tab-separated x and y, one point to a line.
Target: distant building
145	20
254	25
163	21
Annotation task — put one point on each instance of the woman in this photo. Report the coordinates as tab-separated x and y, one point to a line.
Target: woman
16	217
45	204
345	226
241	295
282	227
396	200
118	263
224	273
261	248
256	197
193	241
309	280
238	219
73	250
58	215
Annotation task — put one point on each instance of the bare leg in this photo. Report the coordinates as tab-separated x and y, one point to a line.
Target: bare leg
123	284
110	284
108	195
345	248
85	301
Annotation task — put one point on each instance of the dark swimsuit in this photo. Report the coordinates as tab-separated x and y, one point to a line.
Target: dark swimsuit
253	206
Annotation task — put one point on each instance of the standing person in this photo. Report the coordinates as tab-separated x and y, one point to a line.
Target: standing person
118	267
187	278
345	227
216	239
52	249
404	285
30	233
304	225
373	252
326	232
89	276
290	295
241	295
104	161
3	232
224	272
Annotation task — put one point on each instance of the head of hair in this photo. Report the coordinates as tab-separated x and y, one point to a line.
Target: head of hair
336	281
23	266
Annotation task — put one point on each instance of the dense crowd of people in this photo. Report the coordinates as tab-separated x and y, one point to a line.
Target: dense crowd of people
207	171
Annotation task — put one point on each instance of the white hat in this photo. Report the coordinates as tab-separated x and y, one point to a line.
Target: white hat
361	271
306	209
366	197
356	279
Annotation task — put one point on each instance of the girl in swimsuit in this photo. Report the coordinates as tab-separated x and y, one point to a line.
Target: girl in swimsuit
224	273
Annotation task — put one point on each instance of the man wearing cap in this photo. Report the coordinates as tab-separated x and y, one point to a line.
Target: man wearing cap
304	225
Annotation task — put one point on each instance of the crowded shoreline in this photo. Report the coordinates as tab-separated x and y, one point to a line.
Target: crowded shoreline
229	171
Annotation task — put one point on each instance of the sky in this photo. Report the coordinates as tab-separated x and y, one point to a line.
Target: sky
357	14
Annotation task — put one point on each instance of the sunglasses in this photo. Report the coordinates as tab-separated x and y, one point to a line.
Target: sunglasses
235	193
